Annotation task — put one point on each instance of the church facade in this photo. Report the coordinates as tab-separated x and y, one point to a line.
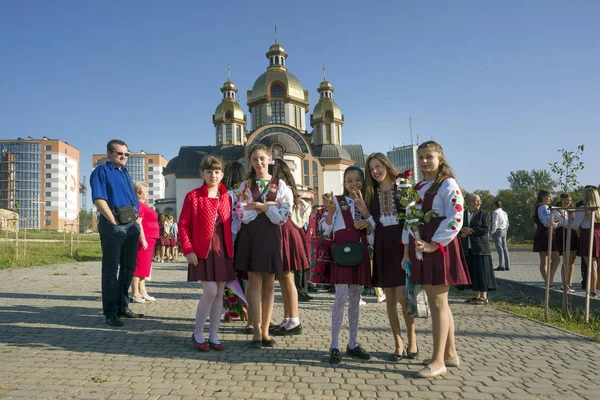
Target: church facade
277	108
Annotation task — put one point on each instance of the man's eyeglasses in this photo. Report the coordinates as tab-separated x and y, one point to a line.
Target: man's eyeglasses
120	153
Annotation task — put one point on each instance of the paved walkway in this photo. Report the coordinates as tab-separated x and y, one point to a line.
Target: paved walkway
54	343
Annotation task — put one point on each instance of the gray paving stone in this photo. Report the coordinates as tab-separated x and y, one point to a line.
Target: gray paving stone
54	344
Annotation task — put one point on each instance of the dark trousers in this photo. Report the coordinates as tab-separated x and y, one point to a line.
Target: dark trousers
301	280
119	248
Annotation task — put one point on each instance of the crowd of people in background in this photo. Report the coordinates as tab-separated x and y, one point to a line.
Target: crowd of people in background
241	231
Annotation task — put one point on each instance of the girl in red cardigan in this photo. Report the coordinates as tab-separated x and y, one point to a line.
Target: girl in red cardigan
206	241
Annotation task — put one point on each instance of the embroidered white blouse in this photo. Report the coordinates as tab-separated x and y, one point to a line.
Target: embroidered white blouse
338	220
448	203
277	216
543	212
236	224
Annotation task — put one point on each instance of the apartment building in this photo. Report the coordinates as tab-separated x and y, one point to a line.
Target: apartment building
405	157
40	178
143	167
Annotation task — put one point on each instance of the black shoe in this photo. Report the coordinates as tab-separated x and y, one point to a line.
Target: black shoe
312	288
303	298
412	356
358	352
248	330
507	269
269	343
257	344
335	356
500	269
288	332
129	314
114	321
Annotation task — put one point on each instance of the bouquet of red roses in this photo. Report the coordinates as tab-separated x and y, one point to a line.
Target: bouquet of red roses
409	199
233	304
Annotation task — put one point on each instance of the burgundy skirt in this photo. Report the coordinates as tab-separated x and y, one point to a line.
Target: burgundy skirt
351	275
561	236
216	267
584	242
173	242
439	268
294	250
540	239
387	257
258	247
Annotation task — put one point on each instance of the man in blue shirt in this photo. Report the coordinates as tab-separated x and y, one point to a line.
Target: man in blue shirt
112	190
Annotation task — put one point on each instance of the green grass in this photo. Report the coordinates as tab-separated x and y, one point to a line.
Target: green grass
49	235
529	308
44	253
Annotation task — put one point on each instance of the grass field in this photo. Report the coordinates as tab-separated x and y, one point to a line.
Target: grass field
48	235
44	253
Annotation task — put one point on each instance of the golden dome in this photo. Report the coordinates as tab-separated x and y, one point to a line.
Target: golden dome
321	109
232	108
228	86
325	85
276	49
294	89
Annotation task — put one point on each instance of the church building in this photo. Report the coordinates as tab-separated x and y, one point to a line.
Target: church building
277	111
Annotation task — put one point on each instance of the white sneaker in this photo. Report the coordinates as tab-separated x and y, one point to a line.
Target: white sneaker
362	302
381	299
149	298
135	300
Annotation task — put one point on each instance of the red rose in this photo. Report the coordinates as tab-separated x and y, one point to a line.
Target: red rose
419	201
232	300
458	208
408	173
233	314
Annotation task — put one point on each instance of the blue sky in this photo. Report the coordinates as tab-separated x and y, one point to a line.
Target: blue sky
502	86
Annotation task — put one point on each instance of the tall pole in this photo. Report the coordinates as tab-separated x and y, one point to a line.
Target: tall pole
566	251
590	263
549	264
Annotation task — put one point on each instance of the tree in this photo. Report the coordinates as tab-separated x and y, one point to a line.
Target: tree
85	220
531	180
567	169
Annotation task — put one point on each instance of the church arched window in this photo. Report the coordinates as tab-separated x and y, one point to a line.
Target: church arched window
277	91
277	151
329	115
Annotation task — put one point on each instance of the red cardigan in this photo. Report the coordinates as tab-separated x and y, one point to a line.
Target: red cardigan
197	221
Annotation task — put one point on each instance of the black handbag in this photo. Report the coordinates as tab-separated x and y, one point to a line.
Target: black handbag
348	254
127	214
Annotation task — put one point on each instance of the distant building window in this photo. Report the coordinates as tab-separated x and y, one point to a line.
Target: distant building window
306	173
277	112
48	184
151	184
277	91
228	133
328	116
66	151
48	203
48	157
150	168
150	176
315	171
150	161
219	134
48	166
258	117
228	115
47	222
48	147
98	161
298	117
48	213
151	192
339	134
66	169
48	194
48	176
328	134
238	134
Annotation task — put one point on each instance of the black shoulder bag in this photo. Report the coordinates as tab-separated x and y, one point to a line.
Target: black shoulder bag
127	214
347	254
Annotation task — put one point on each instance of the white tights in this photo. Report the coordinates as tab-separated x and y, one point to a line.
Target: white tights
343	293
210	304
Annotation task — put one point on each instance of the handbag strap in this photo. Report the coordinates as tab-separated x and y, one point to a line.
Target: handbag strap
128	181
345	210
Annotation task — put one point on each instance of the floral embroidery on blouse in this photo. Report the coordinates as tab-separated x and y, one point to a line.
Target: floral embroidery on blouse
457	201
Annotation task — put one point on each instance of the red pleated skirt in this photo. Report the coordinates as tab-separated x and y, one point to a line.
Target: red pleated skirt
439	268
294	249
584	242
216	267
